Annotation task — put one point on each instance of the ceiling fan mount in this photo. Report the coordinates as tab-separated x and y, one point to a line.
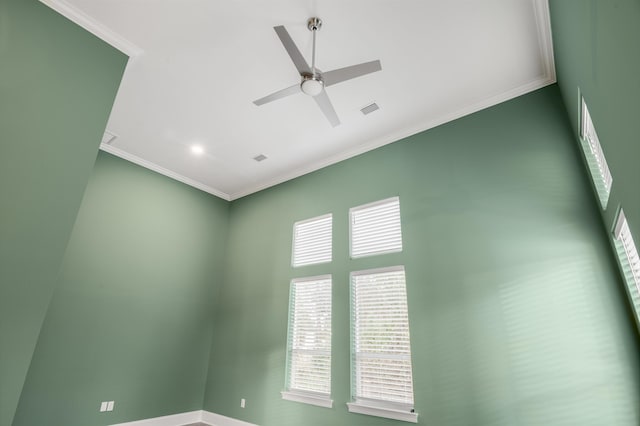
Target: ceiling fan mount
313	81
314	24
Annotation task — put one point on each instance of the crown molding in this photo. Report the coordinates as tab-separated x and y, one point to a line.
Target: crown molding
545	39
166	172
94	27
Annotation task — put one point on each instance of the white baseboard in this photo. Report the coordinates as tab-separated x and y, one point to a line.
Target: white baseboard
182	419
172	420
214	419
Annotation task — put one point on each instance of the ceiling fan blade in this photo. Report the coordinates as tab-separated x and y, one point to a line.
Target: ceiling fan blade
292	50
347	73
278	95
327	109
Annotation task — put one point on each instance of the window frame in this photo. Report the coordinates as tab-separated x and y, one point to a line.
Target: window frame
357	209
294	240
369	406
594	154
628	255
320	399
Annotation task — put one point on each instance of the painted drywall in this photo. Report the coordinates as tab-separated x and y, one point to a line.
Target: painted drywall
131	318
596	50
57	86
516	310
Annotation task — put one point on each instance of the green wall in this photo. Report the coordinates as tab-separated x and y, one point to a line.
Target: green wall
57	86
131	319
516	310
596	50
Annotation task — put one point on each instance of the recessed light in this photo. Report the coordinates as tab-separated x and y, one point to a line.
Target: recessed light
197	149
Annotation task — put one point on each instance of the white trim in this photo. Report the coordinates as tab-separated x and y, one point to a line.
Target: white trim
183	419
388	413
313	242
172	420
545	39
307	399
620	220
158	169
375	203
594	156
94	27
372	231
383	140
378	270
214	419
314	278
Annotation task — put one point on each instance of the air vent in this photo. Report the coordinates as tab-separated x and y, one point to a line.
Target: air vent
108	137
260	157
370	108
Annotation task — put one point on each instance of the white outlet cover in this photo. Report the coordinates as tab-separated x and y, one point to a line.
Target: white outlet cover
242	403
103	406
110	405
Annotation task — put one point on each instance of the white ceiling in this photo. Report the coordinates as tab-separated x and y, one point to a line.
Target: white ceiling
197	66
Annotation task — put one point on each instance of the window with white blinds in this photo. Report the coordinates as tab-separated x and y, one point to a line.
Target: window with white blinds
312	241
629	259
309	341
375	228
382	382
595	157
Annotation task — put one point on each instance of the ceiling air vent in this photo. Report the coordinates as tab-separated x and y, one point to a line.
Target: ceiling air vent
260	157
108	137
370	108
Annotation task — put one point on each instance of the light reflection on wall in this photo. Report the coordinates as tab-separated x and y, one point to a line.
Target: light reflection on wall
564	365
530	344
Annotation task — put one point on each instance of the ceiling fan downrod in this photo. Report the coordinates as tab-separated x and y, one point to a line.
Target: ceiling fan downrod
314	24
313	84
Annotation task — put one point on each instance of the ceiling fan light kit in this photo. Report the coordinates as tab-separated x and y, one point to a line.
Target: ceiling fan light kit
313	81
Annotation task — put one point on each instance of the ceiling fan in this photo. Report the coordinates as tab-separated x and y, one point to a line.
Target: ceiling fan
313	81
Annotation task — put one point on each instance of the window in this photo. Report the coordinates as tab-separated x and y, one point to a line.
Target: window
381	352
312	241
309	341
629	259
595	157
375	228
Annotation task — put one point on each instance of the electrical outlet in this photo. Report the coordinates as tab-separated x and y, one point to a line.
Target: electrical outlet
103	406
110	405
242	403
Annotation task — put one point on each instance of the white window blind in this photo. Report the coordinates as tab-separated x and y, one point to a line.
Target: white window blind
375	228
312	241
381	350
309	340
629	259
595	157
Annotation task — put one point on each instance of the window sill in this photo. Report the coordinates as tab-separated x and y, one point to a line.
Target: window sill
320	401
388	413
